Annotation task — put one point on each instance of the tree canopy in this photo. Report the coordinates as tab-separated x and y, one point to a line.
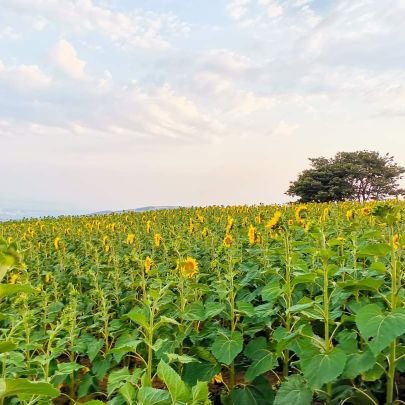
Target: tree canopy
362	175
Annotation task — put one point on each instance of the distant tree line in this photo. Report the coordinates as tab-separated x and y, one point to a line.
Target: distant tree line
362	176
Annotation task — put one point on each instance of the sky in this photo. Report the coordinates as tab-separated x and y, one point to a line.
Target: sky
118	104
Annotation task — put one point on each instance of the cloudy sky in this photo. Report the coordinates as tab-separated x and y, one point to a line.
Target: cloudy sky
114	104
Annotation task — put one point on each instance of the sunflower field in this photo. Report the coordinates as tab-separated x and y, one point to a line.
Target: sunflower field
293	304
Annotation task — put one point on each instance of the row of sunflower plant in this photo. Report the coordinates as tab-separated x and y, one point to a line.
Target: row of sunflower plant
233	305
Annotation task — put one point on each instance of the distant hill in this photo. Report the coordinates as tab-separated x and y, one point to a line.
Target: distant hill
141	209
10	215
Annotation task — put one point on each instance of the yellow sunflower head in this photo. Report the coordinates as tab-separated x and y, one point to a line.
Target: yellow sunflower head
252	234
157	239
13	278
148	226
366	211
298	214
188	267
274	221
56	243
229	224
395	241
228	240
349	215
130	239
218	379
147	265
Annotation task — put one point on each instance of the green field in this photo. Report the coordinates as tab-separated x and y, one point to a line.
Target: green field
294	304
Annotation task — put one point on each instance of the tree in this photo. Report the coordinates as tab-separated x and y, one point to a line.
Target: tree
362	175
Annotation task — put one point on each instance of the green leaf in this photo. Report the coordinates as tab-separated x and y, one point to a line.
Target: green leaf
374	249
300	307
308	278
381	328
323	368
194	372
183	359
347	341
245	308
259	392
177	388
138	316
263	359
128	392
195	312
68	368
294	391
164	319
7	347
358	363
117	378
376	371
93	402
271	291
226	348
378	267
153	396
213	309
10	289
94	348
200	394
22	386
367	284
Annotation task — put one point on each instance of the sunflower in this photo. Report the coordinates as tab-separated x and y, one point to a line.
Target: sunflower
228	240
366	211
395	241
148	226
200	217
229	224
56	243
191	226
252	235
130	239
349	215
217	379
147	265
13	278
105	240
157	239
274	221
204	232
298	211
188	267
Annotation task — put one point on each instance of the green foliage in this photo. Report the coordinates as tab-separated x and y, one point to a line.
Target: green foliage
361	175
380	329
294	390
306	303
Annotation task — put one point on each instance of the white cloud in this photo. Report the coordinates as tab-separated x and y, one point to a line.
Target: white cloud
9	33
238	8
65	57
40	24
284	129
135	28
24	77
